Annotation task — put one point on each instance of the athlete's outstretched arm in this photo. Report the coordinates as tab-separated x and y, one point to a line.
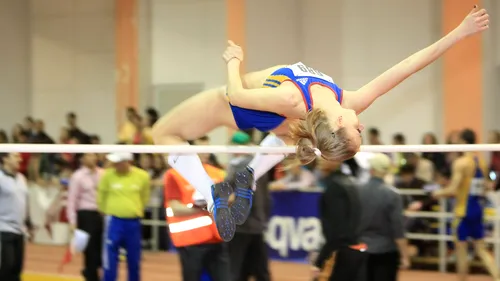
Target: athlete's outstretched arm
277	100
476	21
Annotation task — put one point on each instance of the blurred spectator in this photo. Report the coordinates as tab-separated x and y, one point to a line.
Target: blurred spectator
95	139
3	137
15	223
382	224
159	165
151	116
29	125
437	158
82	212
39	135
128	129
74	131
340	216
494	138
424	169
374	137
296	177
407	178
123	194
452	138
16	131
142	134
248	245
397	157
23	137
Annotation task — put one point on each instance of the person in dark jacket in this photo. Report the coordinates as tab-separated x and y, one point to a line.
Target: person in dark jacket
382	224
340	216
248	250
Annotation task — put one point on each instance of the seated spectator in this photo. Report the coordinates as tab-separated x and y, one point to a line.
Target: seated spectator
95	139
39	134
29	125
151	117
494	138
73	129
452	138
398	157
437	158
16	131
128	129
424	169
3	137
22	137
159	166
296	177
374	137
142	134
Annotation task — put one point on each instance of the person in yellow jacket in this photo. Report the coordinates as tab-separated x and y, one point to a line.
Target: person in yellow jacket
192	229
123	193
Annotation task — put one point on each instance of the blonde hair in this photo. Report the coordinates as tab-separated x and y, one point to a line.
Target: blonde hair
315	132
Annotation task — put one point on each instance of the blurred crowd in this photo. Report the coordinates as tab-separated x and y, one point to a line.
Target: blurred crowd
410	170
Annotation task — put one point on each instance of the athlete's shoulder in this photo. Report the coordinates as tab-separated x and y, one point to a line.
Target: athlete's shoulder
254	80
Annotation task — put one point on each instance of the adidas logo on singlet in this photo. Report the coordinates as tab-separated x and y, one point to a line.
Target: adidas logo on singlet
302	81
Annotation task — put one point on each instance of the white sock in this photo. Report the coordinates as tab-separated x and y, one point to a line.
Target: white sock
191	168
262	163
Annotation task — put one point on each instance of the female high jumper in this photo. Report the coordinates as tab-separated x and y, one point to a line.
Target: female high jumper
300	105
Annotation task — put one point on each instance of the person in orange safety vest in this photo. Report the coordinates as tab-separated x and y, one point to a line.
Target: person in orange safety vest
192	229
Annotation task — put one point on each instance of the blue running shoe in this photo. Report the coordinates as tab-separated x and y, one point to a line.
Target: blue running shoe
242	205
221	214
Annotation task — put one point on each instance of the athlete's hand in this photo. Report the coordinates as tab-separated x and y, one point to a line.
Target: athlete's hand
476	21
232	51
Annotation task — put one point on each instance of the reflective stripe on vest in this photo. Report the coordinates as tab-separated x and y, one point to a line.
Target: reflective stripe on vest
190	224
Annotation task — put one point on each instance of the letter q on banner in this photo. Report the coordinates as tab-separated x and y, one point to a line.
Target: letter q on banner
293	238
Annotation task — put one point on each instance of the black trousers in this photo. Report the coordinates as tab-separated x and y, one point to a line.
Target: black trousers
92	223
382	267
213	258
348	265
11	256
249	257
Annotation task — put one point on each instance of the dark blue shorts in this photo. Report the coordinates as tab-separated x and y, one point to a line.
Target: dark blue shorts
469	228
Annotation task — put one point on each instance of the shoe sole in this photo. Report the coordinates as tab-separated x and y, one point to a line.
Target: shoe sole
221	213
242	205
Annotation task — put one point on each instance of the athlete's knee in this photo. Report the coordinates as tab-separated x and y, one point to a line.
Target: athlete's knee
162	132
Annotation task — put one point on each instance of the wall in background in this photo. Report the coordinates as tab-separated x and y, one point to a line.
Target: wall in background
59	55
15	67
73	60
354	41
188	38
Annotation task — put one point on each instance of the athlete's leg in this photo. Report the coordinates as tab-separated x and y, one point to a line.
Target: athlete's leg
477	232
461	249
486	258
190	120
245	179
462	260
